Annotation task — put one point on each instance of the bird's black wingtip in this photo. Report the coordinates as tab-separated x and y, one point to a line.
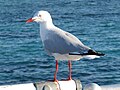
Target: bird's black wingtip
92	52
101	54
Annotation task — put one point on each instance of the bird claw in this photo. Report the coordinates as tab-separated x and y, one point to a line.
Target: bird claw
69	78
55	80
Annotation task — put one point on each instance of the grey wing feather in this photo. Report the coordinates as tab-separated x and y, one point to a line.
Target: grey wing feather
63	43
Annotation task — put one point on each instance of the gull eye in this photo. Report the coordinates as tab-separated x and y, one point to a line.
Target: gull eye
39	15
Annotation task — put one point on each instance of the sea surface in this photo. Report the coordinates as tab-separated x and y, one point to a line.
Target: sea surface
95	22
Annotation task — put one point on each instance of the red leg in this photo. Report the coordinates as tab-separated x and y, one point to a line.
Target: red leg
70	65
55	75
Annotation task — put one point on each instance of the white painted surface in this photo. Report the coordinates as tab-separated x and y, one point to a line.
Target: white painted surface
29	86
67	85
94	86
111	87
61	85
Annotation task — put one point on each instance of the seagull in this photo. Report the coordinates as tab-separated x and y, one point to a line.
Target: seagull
60	44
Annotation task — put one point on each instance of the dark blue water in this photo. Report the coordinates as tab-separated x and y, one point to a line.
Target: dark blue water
95	22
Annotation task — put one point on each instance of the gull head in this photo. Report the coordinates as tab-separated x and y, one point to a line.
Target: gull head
41	17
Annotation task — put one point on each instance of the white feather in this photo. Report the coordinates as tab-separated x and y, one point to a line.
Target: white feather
91	56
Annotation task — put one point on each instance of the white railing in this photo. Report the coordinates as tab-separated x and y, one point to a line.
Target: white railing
60	85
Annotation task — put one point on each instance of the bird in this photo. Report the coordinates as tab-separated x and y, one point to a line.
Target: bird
61	44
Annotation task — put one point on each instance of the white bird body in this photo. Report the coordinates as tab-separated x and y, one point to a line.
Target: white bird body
45	35
46	28
61	44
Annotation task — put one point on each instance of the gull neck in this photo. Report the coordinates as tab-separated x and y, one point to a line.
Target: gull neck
46	25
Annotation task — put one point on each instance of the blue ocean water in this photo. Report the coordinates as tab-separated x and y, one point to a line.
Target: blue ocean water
95	22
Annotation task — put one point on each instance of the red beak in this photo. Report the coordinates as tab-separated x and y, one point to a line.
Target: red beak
29	20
